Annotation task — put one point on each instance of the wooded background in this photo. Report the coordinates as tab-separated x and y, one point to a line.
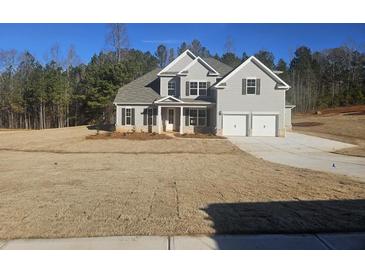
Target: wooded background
62	91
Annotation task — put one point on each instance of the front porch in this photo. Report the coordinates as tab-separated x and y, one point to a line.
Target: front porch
184	118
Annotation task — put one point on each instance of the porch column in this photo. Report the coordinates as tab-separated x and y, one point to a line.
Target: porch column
159	118
181	120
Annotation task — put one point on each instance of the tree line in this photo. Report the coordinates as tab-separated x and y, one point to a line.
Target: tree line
64	92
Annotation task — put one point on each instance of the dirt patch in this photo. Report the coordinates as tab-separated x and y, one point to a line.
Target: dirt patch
307	124
199	186
341	124
199	136
139	136
345	109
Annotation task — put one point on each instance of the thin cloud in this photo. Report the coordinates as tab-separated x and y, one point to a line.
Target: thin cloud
162	41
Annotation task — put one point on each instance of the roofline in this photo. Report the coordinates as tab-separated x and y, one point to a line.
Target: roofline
229	75
167	97
186	52
197	59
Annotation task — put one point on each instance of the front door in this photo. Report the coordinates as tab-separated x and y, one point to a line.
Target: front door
170	119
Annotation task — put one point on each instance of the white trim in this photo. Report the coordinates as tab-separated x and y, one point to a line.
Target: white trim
170	82
252	58
235	112
265	113
198	89
168	97
197	117
130	116
205	64
177	59
251	78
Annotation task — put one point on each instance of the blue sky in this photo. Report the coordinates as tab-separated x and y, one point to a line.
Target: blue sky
281	39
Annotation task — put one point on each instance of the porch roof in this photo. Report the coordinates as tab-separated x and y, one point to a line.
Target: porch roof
182	101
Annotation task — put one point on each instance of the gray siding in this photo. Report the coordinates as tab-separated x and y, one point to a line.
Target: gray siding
196	72
138	119
182	63
164	85
270	100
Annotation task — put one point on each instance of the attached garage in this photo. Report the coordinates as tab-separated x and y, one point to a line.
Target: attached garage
264	125
234	125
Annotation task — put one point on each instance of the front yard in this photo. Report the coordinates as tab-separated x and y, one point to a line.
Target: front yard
56	183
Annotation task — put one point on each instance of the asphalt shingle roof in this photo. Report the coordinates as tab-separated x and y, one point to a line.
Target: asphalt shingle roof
146	88
222	68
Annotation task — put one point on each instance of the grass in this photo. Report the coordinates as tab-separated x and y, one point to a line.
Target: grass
55	183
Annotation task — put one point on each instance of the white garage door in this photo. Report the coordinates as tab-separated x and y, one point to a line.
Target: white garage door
264	125
234	125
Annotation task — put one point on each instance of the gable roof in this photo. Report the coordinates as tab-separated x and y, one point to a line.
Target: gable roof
185	70
177	59
144	89
168	98
260	65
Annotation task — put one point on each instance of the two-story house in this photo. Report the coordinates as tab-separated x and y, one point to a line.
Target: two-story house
194	94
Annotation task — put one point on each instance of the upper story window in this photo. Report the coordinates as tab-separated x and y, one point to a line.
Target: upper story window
193	88
171	88
251	86
198	88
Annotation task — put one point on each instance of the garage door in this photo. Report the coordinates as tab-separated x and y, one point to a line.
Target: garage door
264	125
234	125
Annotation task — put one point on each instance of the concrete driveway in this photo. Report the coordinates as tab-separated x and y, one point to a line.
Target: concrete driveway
304	151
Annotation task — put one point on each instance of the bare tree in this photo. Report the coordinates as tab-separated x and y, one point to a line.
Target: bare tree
117	38
228	45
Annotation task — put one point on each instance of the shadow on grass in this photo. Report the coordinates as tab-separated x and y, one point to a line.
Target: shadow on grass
103	127
283	217
288	217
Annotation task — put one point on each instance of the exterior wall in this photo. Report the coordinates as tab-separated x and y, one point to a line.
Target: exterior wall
270	100
138	120
288	124
139	127
164	85
182	63
196	72
196	129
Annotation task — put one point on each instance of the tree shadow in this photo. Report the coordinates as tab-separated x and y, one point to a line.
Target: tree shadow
102	127
287	217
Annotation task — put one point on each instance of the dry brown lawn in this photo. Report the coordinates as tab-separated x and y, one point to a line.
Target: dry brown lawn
345	124
55	183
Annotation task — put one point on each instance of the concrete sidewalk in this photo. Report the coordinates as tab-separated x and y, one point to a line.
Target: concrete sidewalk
216	242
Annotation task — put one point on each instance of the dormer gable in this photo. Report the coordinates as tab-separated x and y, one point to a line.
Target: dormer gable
178	64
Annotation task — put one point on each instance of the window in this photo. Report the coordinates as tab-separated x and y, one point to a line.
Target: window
203	88
193	88
128	116
251	86
193	117
202	117
198	117
198	88
171	88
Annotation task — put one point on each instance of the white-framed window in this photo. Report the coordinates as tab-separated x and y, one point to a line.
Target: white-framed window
203	88
128	116
198	88
193	88
171	87
197	117
251	86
